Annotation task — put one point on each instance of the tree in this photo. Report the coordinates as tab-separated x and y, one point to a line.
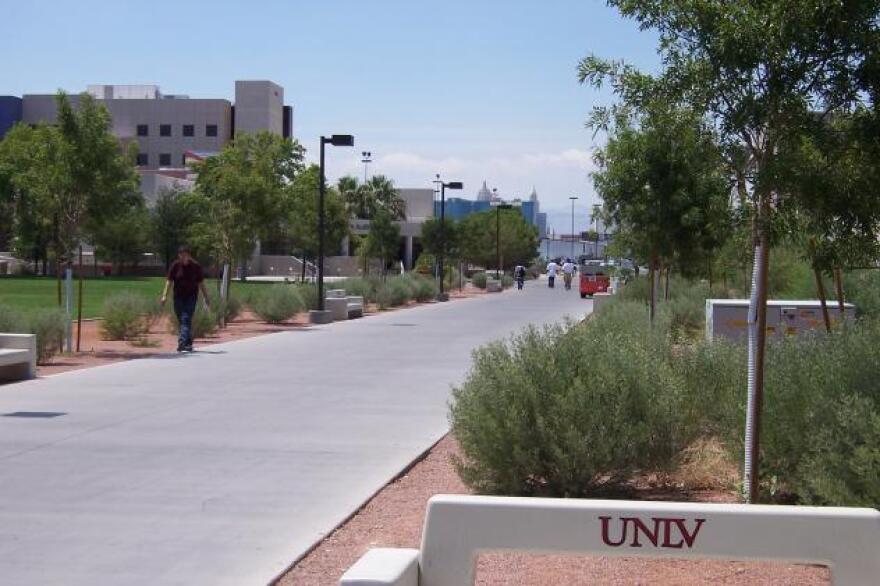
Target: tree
170	221
760	69
518	240
383	239
241	194
433	238
302	214
664	183
364	201
125	238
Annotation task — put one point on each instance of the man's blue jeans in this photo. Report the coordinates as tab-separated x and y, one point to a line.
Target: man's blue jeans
184	308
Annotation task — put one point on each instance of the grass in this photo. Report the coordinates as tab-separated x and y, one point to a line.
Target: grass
31	294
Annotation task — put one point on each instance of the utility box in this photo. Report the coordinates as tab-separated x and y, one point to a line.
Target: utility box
729	318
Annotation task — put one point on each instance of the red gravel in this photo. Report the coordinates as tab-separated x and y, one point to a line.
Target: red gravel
394	517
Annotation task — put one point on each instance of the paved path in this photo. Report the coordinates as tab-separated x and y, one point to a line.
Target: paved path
224	466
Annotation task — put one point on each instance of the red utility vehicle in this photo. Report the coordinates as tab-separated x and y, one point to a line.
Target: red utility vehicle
594	277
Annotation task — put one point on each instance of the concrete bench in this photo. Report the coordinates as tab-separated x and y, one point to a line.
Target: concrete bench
494	286
600	300
18	356
342	306
458	528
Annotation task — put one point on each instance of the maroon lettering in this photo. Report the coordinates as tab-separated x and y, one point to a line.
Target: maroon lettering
689	537
605	537
640	527
669	533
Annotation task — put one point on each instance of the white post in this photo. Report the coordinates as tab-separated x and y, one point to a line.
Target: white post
68	305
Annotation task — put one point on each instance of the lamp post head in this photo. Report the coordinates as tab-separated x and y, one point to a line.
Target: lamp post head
345	140
455	185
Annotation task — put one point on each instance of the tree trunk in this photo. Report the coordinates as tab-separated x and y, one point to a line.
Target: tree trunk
302	272
666	285
652	270
838	283
710	276
79	308
820	291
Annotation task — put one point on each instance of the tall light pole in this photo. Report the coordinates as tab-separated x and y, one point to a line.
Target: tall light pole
366	159
343	140
441	296
573	198
596	222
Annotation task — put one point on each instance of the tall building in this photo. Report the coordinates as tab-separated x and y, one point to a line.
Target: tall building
164	126
457	207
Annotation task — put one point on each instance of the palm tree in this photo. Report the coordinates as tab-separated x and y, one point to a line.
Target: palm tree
387	197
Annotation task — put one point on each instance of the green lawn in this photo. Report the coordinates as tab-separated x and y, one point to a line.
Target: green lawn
30	294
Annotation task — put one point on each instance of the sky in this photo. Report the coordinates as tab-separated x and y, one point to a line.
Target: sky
474	90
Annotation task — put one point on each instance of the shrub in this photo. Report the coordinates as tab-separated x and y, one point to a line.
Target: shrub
383	297
570	411
479	280
277	303
230	308
125	316
422	288
362	287
11	321
862	288
50	326
399	290
506	281
309	295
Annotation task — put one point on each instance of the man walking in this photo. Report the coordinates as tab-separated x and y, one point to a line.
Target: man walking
188	279
552	269
568	269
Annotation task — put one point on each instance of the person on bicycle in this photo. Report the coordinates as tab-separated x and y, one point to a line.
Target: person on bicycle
519	275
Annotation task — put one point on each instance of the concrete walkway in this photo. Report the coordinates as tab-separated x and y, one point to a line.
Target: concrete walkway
223	466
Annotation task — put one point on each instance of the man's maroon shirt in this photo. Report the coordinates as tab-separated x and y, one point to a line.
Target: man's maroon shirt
186	278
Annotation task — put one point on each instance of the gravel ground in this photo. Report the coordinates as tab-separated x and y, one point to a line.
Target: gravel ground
393	518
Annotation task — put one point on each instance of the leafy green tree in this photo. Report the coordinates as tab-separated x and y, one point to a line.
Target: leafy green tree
302	214
761	69
241	194
125	238
170	220
518	240
664	183
383	239
433	238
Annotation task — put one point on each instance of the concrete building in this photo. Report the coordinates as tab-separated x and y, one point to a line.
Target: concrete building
166	127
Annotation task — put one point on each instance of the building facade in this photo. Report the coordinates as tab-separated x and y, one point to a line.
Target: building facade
458	208
166	127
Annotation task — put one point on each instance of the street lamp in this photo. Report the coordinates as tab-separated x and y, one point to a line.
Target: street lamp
596	210
500	205
572	198
366	159
321	316
441	296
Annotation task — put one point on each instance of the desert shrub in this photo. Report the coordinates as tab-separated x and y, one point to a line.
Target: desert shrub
479	280
126	316
451	277
570	410
360	287
422	288
277	303
506	281
383	296
49	325
425	264
399	290
11	321
230	308
309	295
637	289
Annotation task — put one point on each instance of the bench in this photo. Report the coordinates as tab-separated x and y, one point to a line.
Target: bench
494	286
18	356
342	306
459	527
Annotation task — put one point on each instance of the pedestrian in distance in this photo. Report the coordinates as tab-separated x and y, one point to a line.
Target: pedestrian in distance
187	279
519	275
552	269
568	270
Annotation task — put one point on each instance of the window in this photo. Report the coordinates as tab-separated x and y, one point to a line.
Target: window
189	130
211	130
143	130
165	159
164	130
143	160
